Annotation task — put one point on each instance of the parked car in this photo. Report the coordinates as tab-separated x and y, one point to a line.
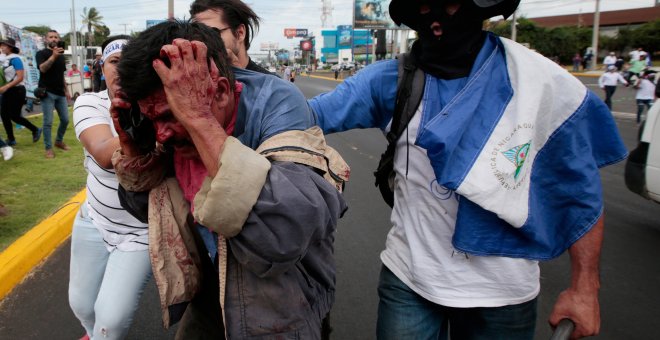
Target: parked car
642	173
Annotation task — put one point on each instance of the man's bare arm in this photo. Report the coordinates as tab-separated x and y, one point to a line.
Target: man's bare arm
580	301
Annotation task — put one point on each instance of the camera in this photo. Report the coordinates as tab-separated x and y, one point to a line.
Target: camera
60	44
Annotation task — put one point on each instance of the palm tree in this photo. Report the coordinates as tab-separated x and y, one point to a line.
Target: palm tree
93	21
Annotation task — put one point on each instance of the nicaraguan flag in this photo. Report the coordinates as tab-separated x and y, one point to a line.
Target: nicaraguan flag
522	144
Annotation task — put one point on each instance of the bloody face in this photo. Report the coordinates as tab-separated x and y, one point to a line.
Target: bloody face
168	130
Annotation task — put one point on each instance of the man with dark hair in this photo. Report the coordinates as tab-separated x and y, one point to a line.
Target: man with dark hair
50	62
235	185
494	169
236	23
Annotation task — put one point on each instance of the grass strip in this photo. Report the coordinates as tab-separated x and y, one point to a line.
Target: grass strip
33	187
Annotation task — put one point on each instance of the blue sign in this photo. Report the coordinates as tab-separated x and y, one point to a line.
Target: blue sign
344	35
154	22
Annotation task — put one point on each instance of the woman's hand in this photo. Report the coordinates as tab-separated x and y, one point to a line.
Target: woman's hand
121	106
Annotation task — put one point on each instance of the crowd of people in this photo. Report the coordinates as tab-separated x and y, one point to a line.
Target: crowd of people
212	175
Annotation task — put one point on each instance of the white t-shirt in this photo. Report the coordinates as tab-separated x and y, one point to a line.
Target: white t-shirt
419	250
646	90
119	228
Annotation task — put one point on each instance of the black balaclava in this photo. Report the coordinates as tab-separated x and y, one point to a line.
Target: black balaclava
451	55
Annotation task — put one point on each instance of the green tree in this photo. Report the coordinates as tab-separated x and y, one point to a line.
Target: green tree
646	36
92	19
41	30
100	34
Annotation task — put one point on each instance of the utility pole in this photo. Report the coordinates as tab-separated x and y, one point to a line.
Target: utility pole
594	39
74	35
124	27
326	13
514	23
170	9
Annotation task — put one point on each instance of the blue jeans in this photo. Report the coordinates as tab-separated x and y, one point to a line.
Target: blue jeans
59	103
640	107
403	314
104	287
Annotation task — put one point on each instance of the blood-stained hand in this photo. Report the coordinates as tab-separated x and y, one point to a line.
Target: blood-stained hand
189	84
120	106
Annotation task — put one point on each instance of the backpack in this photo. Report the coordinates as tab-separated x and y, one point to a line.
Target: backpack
410	88
5	65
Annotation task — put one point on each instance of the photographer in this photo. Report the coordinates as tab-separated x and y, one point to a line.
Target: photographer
51	65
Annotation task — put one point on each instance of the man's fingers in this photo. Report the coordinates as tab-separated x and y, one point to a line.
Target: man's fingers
173	54
186	53
200	50
161	70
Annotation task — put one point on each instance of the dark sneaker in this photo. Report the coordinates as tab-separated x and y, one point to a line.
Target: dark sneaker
62	146
36	135
11	142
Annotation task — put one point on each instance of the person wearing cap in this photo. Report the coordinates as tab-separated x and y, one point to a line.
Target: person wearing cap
97	73
608	82
52	67
109	265
496	171
13	92
609	60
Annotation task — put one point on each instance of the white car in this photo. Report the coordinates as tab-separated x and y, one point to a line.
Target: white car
643	166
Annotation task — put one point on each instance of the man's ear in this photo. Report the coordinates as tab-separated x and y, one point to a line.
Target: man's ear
240	34
223	92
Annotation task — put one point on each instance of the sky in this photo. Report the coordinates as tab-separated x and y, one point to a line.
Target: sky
130	15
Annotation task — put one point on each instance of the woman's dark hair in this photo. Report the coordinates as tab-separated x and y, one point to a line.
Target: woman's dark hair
137	77
234	13
113	38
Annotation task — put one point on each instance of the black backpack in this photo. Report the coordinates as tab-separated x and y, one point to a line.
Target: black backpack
410	87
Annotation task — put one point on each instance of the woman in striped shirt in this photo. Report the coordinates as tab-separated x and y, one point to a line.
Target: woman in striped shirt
109	248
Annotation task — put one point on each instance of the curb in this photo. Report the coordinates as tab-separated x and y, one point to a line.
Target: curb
29	250
326	78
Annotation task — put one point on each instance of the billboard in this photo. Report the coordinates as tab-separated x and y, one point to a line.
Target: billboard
373	14
29	43
295	32
269	46
344	35
154	22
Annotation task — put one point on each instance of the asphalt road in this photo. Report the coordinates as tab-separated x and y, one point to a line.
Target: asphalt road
630	275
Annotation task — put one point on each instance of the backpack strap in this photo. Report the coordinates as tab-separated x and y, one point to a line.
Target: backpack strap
410	88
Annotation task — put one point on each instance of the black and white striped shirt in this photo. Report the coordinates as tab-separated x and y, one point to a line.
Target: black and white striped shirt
120	229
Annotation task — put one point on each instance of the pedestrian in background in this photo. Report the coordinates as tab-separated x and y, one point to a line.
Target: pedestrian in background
645	92
97	73
13	92
609	60
50	62
237	24
608	82
109	265
577	60
73	71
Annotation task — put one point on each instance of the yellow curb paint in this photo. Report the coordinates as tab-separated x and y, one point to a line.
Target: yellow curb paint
578	74
327	78
37	244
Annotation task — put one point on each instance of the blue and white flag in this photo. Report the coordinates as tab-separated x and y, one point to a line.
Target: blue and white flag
522	144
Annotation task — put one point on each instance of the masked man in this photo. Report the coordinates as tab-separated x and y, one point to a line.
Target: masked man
496	170
244	195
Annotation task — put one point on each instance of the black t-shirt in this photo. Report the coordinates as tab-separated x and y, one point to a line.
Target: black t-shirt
53	79
96	68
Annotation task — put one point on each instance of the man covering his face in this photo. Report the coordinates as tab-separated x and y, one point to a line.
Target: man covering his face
235	153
